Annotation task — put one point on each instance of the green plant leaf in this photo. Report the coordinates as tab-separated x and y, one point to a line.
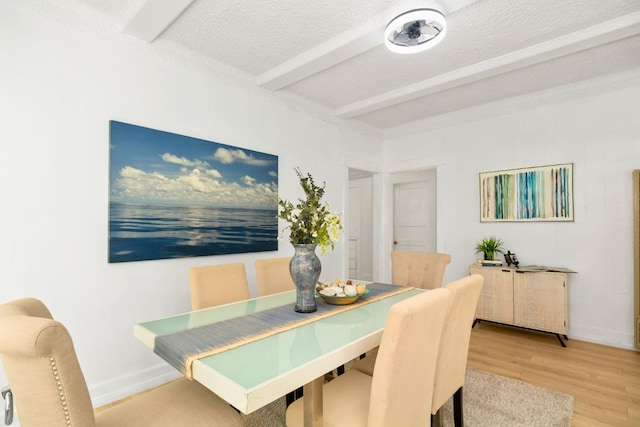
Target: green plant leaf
490	245
310	221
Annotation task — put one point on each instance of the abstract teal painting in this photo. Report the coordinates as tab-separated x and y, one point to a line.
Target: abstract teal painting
543	193
173	196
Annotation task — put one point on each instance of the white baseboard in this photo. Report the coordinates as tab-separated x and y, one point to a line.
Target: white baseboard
121	387
597	336
124	386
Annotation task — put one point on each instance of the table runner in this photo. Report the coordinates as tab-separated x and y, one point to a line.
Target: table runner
182	348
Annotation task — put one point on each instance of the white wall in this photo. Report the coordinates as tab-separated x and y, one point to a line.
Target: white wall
600	135
59	88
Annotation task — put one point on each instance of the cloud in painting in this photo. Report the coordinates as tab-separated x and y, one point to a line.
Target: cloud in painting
183	161
196	187
227	156
248	180
159	168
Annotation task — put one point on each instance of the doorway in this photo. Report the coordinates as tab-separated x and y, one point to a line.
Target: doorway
414	211
372	233
360	225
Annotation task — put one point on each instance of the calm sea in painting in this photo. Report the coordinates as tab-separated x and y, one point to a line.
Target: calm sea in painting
140	232
173	196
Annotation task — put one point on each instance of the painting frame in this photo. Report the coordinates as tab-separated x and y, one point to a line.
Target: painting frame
530	194
176	196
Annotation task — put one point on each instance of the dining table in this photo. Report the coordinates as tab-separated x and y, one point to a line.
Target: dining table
252	352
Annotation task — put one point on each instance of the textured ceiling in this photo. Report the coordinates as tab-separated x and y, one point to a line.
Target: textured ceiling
331	52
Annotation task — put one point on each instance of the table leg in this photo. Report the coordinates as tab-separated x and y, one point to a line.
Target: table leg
312	398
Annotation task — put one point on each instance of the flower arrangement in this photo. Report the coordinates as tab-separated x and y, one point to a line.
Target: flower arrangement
310	221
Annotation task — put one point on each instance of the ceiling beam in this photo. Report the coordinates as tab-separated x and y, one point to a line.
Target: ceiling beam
153	17
321	57
597	35
343	47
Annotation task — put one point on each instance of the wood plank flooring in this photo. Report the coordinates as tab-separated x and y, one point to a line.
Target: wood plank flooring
605	381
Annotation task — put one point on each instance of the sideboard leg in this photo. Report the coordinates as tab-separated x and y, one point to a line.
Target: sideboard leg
560	339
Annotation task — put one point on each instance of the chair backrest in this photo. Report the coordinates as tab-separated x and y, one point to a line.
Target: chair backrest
403	377
40	362
213	285
418	269
454	344
273	276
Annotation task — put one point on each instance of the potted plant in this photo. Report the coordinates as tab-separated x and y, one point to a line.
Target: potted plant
311	224
310	221
489	246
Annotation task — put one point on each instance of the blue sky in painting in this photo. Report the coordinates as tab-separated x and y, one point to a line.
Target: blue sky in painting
157	167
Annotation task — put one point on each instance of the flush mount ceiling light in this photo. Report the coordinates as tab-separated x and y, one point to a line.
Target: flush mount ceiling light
415	31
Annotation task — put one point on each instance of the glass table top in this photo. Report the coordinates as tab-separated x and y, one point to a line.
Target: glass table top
303	351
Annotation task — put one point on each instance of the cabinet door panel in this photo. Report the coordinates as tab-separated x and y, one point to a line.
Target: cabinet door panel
540	301
496	300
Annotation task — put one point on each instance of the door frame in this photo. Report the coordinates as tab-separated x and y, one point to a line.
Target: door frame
364	257
382	200
383	258
411	179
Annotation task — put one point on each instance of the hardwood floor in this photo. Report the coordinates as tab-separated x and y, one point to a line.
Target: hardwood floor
605	381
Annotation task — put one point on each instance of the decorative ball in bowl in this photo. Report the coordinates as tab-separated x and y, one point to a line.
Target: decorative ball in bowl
342	292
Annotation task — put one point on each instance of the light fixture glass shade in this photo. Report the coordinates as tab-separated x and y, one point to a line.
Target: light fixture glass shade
415	31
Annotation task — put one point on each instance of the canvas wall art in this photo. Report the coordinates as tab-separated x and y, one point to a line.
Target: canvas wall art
173	196
543	193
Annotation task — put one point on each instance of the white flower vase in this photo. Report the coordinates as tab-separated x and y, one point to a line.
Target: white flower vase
305	270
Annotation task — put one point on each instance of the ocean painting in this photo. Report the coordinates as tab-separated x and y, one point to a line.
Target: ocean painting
173	196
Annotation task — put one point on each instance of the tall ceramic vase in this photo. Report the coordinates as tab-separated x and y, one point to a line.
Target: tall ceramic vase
305	270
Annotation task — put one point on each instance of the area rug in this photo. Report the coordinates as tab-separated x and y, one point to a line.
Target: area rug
492	401
271	415
489	401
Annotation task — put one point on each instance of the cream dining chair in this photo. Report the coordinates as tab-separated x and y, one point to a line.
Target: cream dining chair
273	276
423	270
454	347
418	269
49	388
401	388
213	285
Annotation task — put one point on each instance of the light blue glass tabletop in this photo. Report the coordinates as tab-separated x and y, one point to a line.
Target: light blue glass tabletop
259	372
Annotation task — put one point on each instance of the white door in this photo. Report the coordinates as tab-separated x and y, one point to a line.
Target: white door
414	211
355	230
360	226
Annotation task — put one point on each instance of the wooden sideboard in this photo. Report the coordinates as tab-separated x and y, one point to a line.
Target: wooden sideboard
531	297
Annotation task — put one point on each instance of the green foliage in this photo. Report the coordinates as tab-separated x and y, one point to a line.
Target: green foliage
310	221
489	246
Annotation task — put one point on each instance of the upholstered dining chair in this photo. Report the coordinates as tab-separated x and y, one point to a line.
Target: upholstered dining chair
213	285
49	388
418	269
273	276
401	388
454	347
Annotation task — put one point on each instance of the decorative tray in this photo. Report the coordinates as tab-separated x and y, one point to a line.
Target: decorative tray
342	292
